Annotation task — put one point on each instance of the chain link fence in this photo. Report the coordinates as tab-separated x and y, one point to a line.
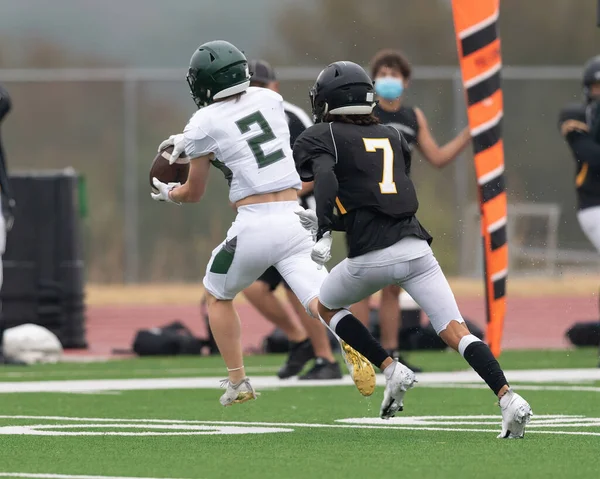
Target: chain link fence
107	123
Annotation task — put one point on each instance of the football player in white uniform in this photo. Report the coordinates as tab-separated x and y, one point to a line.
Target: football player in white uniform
243	131
308	339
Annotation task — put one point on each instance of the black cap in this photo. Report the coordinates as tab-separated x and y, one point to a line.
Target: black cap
591	71
261	72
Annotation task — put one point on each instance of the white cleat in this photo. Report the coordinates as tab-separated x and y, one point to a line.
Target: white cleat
237	393
401	380
516	413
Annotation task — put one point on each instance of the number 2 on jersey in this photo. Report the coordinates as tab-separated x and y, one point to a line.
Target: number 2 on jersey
255	143
387	185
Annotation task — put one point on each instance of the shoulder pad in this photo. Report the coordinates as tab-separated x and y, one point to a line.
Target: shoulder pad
298	112
265	92
394	131
312	142
316	134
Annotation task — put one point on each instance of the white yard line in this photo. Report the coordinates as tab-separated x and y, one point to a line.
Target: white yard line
411	423
520	387
452	379
66	476
107	372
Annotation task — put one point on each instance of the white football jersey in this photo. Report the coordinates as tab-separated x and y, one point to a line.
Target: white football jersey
250	139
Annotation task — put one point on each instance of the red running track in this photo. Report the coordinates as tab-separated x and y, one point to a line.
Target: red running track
532	323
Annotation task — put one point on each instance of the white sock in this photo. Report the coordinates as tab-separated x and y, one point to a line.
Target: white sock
389	370
465	341
337	317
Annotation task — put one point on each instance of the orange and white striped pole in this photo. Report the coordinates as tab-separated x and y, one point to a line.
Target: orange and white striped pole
478	43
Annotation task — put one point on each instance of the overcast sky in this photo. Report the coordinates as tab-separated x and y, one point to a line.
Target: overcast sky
142	33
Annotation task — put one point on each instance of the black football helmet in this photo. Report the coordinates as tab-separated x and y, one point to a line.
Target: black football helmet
591	74
342	88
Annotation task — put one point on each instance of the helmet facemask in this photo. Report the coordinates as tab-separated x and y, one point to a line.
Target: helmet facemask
319	107
200	97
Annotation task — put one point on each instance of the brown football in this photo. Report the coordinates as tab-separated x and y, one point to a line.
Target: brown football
175	173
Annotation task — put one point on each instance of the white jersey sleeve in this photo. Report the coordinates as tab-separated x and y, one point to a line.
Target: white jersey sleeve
197	141
250	139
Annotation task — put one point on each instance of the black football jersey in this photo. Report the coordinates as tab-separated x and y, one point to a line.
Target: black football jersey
587	177
376	198
298	121
404	120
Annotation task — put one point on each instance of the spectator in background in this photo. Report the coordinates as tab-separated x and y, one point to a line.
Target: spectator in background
391	73
311	340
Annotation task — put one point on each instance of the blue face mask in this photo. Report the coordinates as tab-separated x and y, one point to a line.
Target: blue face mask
389	88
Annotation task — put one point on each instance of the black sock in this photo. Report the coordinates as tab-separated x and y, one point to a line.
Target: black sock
481	359
356	335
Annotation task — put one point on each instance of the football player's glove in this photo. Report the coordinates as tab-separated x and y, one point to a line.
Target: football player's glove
178	143
321	252
308	220
163	191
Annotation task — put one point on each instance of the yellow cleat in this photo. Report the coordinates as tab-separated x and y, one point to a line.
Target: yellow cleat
360	369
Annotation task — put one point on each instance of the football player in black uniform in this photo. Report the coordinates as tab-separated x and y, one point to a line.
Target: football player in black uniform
309	340
580	126
362	167
391	72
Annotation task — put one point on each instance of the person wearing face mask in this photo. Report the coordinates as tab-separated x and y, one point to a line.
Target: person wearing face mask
391	73
579	124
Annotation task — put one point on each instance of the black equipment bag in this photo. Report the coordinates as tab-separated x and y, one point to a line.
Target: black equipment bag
584	334
277	342
414	337
170	340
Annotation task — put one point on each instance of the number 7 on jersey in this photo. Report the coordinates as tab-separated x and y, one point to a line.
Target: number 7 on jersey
387	185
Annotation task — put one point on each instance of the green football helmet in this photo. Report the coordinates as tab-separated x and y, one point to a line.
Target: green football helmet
217	70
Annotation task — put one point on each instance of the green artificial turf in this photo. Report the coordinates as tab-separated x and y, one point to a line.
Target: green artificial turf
319	445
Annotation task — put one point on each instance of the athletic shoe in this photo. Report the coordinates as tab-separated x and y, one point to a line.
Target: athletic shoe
398	357
400	381
360	369
237	393
516	413
300	353
323	369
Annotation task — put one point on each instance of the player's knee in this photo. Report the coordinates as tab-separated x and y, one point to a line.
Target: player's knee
213	302
257	288
209	299
325	313
453	333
